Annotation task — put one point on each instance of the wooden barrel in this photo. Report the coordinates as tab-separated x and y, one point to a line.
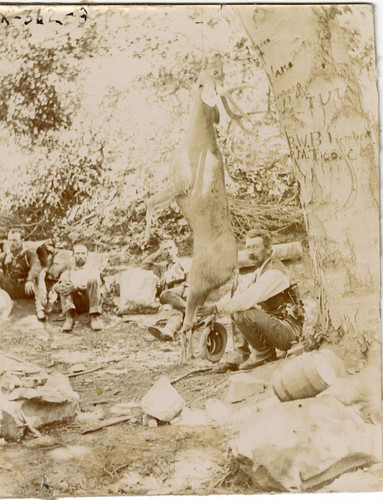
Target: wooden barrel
303	377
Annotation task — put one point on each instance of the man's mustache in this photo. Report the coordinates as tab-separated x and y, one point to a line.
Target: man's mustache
15	246
252	256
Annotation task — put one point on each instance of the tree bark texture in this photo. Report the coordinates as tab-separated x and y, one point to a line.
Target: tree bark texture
333	140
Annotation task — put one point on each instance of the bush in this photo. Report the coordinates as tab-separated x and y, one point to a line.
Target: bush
59	183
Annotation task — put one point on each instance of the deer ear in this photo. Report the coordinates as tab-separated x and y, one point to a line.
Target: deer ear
209	94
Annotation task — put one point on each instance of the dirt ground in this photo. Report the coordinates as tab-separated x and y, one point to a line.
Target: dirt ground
127	458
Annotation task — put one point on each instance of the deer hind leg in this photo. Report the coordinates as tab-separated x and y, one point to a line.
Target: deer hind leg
189	344
187	351
183	357
159	200
194	300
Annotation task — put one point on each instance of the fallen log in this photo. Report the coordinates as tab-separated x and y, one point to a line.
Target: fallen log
91	370
108	423
191	372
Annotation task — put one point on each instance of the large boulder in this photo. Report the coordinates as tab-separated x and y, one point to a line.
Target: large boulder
138	289
30	398
300	445
362	391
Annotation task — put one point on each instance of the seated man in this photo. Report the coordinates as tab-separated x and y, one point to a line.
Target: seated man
267	314
20	272
171	287
80	289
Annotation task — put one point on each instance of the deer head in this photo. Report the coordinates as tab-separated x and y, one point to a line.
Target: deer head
210	82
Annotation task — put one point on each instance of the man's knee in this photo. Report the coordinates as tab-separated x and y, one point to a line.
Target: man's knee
238	316
166	297
245	317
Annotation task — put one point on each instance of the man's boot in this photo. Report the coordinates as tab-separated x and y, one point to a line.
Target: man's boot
258	358
41	315
95	322
168	331
230	364
69	321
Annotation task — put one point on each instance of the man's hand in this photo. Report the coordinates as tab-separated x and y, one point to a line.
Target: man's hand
207	309
8	259
65	287
29	288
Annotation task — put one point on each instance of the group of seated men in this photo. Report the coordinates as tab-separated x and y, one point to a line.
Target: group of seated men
23	274
265	310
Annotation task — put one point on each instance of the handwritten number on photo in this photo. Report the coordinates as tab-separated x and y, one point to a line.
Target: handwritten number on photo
40	18
29	17
84	16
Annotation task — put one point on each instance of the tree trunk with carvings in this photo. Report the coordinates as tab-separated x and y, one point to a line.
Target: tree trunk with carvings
330	117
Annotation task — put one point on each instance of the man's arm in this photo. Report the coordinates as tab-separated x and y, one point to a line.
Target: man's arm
65	286
267	285
151	259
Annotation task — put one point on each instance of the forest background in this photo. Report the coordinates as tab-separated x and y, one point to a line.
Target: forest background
93	103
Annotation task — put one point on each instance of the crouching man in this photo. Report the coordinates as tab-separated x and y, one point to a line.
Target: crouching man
80	290
266	314
20	272
171	287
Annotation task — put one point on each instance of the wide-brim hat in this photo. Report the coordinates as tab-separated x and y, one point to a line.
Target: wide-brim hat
6	305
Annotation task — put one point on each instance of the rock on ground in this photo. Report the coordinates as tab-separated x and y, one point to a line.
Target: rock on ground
242	386
362	391
30	398
162	401
304	444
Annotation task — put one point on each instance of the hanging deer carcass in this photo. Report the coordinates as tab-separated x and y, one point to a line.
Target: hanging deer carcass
196	181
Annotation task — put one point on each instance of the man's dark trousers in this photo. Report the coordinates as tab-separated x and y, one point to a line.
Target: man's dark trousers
263	331
16	290
83	300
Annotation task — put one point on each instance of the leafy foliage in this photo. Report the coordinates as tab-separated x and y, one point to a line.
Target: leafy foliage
60	182
28	101
94	115
34	95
